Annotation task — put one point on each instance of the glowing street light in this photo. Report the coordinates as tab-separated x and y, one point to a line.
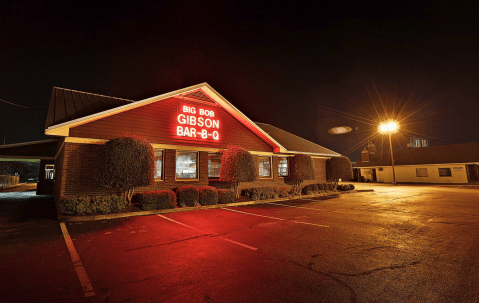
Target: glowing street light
390	127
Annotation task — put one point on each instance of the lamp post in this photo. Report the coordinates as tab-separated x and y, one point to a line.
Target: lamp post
389	128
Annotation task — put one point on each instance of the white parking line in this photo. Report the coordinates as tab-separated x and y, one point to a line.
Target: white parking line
274	218
81	273
298	207
228	240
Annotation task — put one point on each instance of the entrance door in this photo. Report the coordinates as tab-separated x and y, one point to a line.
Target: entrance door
472	173
374	175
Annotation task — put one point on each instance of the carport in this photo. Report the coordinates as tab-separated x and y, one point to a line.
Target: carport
44	151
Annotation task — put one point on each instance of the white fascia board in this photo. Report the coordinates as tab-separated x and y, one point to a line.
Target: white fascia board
62	129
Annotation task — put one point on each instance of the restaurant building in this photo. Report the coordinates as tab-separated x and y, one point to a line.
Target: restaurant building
187	129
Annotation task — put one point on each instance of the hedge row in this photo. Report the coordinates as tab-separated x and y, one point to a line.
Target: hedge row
185	196
266	192
345	186
317	188
84	205
161	199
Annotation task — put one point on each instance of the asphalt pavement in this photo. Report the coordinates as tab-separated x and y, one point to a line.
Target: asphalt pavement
397	244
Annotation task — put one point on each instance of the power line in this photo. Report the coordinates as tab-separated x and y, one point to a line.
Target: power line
22	105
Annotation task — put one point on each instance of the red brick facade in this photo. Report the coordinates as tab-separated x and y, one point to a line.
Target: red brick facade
76	169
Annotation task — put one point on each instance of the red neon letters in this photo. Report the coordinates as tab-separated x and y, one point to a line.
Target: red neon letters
196	122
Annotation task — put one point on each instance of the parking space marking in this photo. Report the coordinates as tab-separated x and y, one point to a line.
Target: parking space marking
80	270
299	207
274	218
315	200
228	240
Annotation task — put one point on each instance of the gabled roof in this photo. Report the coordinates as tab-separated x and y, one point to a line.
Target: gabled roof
295	144
67	105
441	154
69	108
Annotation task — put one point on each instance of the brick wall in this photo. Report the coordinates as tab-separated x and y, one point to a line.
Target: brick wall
76	169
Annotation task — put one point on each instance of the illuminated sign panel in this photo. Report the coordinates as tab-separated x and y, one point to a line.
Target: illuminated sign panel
197	122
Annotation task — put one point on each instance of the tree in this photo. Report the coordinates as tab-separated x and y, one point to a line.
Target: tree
338	168
237	165
301	168
126	162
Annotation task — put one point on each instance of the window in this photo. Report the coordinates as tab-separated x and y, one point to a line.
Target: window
421	172
283	169
214	165
444	172
49	171
158	164
264	166
186	163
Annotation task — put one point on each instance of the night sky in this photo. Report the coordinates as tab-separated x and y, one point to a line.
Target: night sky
301	67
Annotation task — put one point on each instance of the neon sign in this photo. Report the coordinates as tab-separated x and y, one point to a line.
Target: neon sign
197	122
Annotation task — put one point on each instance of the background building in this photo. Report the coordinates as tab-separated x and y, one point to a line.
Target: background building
421	163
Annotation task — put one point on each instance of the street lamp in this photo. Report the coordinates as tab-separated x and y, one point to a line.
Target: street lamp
390	127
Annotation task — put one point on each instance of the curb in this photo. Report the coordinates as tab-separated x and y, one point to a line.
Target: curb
64	218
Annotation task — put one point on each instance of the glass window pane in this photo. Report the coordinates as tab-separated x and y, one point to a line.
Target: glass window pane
421	172
214	165
186	165
49	171
283	166
264	164
444	172
158	164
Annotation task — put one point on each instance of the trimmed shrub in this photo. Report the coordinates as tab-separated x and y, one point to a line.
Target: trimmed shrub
338	168
208	195
225	196
147	200
84	205
314	188
307	190
237	165
126	162
302	168
161	199
76	206
320	187
118	204
188	196
263	193
351	186
282	192
101	204
253	193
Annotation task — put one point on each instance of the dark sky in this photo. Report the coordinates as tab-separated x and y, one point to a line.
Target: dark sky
301	67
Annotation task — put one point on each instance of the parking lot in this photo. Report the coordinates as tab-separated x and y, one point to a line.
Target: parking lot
396	244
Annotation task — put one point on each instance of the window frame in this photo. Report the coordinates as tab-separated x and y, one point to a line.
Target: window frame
287	166
421	176
444	168
214	154
163	152
197	168
270	167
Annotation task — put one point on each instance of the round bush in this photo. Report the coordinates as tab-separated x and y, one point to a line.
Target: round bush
351	186
225	196
208	195
188	196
